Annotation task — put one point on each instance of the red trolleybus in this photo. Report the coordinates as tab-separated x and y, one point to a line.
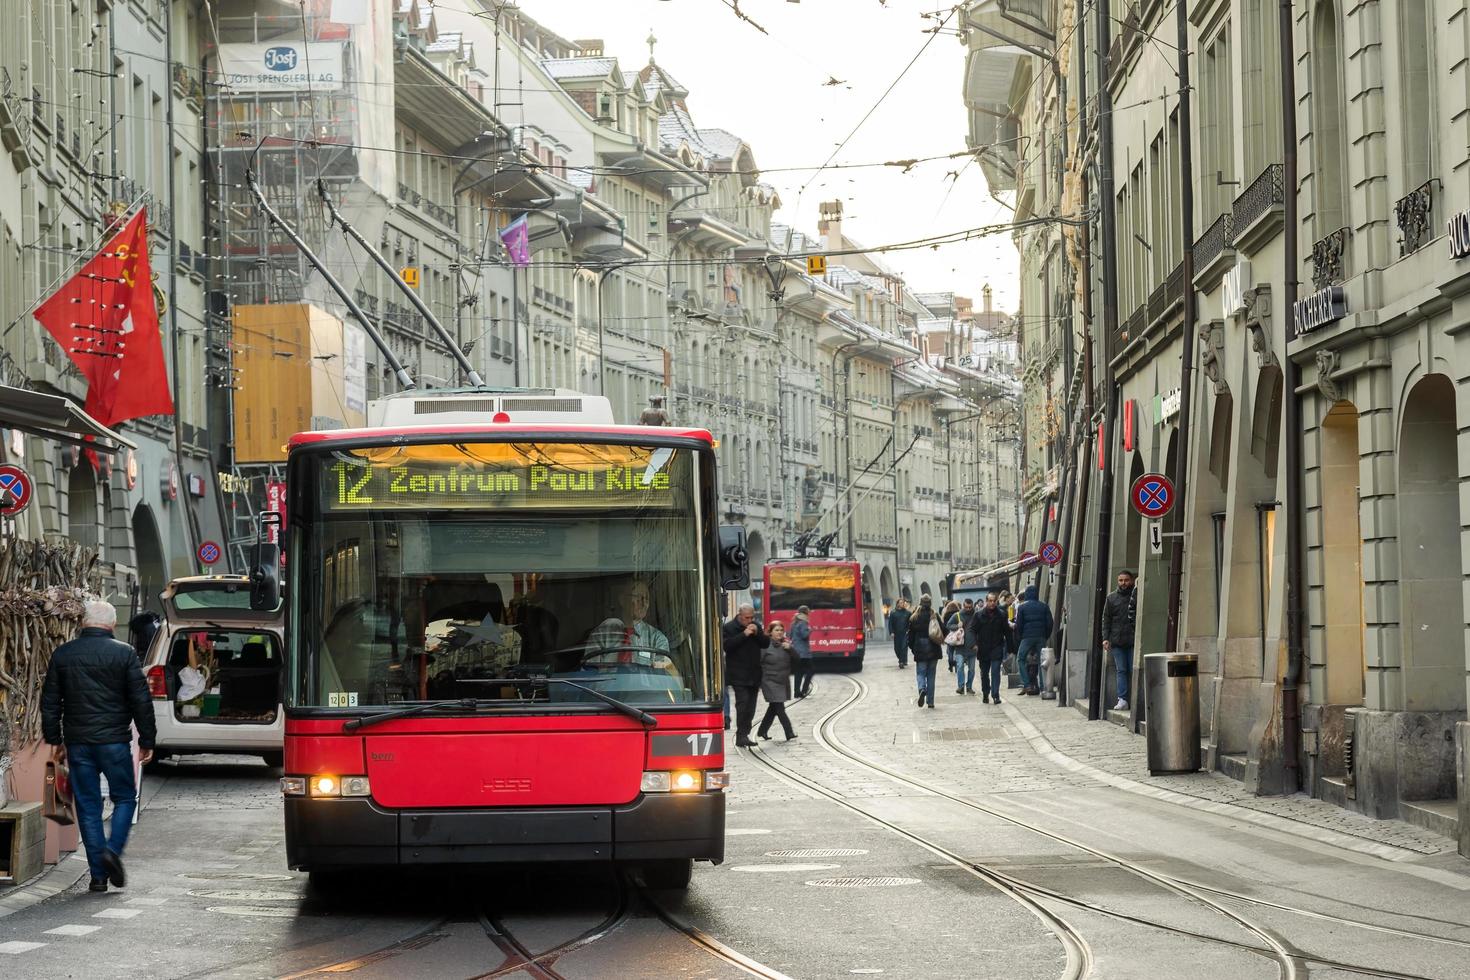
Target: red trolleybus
833	591
501	639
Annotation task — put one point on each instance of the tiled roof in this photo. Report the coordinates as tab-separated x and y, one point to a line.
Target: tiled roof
655	78
724	144
675	128
446	43
560	68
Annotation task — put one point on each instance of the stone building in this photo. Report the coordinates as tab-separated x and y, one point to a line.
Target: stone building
1369	310
101	113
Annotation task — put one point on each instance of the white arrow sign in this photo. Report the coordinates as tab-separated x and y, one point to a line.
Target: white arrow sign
1155	538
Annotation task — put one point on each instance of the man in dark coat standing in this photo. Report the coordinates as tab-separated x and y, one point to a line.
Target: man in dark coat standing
93	695
898	628
1120	613
744	640
992	640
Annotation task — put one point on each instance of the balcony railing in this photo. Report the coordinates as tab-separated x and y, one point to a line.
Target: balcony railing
1414	214
1214	243
1329	259
1262	199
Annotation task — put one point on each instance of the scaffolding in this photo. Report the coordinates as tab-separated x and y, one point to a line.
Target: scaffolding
290	138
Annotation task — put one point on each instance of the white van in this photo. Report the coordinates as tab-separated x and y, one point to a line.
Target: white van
215	670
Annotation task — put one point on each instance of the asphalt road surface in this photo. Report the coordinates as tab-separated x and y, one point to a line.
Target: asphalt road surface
887	840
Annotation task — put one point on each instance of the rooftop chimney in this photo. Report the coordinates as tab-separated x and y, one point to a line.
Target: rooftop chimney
829	221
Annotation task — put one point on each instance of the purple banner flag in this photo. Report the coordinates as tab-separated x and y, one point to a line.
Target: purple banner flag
517	241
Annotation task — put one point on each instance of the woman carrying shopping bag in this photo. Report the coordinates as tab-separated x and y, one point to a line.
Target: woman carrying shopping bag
963	656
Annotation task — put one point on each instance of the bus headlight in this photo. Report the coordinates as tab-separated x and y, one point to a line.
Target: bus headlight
293	786
355	786
683	781
325	786
655	782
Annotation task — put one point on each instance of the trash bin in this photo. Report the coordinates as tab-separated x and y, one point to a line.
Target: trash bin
1171	696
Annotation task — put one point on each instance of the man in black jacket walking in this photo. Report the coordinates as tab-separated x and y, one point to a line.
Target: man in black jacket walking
743	641
93	695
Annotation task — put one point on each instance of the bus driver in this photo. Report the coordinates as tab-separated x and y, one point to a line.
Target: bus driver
631	637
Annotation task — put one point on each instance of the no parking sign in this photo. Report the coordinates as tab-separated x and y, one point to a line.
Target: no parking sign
16	490
209	553
1152	495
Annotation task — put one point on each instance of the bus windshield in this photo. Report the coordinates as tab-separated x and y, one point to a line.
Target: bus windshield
814	586
431	572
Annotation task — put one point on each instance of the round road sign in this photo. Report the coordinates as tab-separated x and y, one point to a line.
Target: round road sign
1051	553
209	552
1152	495
1028	558
16	489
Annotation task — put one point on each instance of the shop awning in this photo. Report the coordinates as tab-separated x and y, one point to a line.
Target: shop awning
55	417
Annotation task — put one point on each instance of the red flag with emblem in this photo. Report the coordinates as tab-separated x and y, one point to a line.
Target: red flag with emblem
105	319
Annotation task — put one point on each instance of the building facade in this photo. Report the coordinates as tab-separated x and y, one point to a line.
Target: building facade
1366	312
101	114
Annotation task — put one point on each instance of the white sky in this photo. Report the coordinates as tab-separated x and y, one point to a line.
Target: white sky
768	89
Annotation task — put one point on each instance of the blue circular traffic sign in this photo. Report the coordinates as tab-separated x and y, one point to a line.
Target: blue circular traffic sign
1152	495
209	553
1051	553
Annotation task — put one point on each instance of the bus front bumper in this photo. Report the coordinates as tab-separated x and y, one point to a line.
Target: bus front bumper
343	833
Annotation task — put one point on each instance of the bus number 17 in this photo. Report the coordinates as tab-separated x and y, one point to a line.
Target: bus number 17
701	743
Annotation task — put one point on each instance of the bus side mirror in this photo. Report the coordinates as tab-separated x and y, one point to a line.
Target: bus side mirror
734	560
265	576
265	580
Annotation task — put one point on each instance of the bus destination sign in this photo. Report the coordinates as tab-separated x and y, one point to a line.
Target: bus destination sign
353	485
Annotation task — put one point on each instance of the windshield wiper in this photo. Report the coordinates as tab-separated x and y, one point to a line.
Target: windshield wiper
468	704
637	714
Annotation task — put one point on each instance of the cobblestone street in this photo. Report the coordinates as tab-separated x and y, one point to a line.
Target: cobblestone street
1022	830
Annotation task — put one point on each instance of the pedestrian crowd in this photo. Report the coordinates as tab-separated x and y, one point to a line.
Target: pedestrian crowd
973	640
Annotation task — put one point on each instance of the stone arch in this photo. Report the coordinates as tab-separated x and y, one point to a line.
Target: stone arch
152	566
1343	666
755	547
924	590
1266	421
906	593
1429	554
1221	422
885	585
1133	527
82	524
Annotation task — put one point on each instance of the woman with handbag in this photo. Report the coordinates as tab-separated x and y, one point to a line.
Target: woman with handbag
991	633
777	661
959	649
925	640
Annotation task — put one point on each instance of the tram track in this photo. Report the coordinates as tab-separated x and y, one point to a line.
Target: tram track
1079	956
1292	963
628	895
